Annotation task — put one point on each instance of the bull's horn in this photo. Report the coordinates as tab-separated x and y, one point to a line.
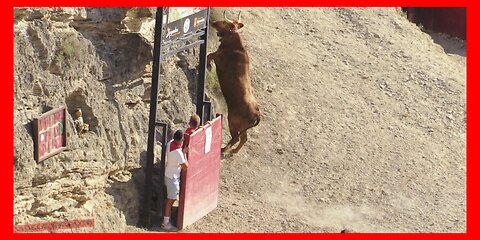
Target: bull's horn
239	16
225	16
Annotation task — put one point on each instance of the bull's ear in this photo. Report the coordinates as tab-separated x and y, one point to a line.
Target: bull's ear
239	25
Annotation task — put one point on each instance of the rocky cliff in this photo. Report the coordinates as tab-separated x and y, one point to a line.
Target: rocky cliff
99	60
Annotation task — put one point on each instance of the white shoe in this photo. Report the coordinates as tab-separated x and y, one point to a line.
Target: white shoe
168	226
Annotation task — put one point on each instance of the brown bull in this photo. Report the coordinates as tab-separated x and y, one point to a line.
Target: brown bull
232	65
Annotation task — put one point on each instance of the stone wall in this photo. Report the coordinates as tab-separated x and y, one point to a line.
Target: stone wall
99	60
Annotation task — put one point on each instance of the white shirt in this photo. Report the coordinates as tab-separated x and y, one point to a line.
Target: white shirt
173	161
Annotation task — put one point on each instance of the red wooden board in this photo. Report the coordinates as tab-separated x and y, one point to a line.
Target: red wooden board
49	133
200	182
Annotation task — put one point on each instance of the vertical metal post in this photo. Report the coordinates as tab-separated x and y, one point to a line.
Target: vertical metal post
201	70
152	118
207	111
163	194
164	149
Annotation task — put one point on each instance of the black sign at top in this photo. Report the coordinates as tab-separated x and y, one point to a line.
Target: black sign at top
183	21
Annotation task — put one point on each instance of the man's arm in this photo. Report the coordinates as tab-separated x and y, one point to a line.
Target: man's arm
182	160
184	166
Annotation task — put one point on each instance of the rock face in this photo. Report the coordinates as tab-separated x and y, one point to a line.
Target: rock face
99	60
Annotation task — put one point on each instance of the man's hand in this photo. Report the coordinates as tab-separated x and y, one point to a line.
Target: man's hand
184	166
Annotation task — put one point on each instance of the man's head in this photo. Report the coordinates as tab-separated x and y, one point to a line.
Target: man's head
178	136
227	25
194	121
77	112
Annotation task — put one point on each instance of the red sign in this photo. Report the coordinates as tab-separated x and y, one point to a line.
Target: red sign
49	134
200	183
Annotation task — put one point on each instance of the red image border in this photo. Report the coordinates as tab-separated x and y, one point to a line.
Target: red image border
7	118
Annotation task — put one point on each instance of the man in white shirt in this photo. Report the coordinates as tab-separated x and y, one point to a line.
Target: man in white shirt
174	163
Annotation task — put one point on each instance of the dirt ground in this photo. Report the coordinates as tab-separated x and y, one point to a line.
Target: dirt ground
363	126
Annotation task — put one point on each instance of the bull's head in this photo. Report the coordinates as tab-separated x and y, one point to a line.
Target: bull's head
227	26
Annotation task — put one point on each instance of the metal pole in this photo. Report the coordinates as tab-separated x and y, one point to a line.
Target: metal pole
207	111
163	194
152	118
201	70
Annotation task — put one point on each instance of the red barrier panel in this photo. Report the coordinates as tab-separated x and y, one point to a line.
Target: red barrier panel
200	183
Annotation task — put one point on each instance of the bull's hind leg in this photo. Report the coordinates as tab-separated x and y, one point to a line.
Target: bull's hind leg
243	139
234	128
234	133
226	150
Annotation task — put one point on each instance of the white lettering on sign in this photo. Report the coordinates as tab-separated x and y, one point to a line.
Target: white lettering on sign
186	25
208	139
170	33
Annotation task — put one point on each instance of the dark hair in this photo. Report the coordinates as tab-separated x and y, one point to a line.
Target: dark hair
178	135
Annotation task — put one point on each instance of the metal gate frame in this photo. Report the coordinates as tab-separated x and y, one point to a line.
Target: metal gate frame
161	20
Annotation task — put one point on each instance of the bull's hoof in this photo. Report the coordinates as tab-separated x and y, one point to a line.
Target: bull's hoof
227	155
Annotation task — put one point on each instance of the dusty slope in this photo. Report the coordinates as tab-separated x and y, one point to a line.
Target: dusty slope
363	127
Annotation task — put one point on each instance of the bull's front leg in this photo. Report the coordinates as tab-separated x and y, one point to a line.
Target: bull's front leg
210	57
